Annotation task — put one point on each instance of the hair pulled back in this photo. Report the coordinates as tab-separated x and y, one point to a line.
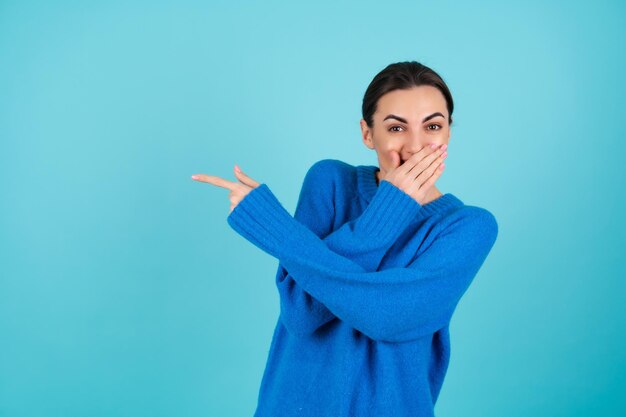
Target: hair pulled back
402	76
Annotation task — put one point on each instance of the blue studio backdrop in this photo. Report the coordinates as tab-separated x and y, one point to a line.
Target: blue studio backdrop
124	292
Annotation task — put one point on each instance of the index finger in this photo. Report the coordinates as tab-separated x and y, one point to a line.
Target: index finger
215	180
413	160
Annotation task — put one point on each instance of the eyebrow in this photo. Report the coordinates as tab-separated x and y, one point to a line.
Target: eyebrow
403	120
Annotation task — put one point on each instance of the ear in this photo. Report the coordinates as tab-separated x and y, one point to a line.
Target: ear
366	133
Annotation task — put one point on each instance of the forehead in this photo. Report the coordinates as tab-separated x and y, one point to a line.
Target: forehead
412	102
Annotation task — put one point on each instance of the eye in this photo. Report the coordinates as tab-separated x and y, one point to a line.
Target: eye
392	127
434	124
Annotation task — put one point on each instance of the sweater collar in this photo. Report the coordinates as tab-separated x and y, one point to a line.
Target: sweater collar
367	187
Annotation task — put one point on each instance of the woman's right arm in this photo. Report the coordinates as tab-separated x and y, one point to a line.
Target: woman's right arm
395	304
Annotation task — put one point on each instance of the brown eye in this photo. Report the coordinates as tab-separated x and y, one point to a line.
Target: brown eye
392	127
434	124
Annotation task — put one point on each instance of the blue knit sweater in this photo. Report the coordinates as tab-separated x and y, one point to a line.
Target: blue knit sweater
368	281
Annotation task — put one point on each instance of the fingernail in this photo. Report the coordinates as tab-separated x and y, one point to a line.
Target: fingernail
194	177
237	168
432	145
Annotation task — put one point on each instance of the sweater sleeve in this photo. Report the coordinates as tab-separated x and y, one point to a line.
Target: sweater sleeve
359	240
393	305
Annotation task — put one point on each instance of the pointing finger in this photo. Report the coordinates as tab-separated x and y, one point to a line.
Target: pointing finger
215	180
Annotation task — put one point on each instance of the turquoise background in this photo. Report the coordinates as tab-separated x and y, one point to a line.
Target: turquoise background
124	292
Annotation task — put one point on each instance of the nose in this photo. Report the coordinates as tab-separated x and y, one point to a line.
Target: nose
417	139
414	146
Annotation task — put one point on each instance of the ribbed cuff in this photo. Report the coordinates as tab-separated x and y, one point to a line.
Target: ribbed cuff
388	214
261	219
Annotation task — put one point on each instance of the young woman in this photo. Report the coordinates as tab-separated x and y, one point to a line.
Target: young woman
371	266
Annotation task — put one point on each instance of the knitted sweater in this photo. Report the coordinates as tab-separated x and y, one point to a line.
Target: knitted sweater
368	281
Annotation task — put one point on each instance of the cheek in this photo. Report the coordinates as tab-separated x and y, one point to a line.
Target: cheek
388	157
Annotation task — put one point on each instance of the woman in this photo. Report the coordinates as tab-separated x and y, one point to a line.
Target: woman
373	264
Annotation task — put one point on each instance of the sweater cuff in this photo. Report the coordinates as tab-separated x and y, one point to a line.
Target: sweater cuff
389	212
262	220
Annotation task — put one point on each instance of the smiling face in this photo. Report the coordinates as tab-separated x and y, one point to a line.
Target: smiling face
404	122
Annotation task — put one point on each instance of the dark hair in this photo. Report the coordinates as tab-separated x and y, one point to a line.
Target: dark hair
401	76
